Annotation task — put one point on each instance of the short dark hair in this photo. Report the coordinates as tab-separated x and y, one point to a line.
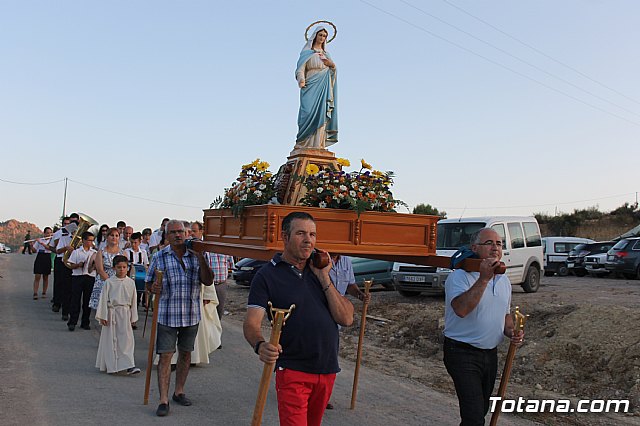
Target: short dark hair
86	235
120	258
121	223
135	236
147	231
74	216
286	222
45	229
198	224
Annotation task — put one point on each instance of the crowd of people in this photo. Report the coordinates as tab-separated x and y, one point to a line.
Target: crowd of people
101	274
106	272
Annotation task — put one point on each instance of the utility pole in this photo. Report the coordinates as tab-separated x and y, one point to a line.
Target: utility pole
64	200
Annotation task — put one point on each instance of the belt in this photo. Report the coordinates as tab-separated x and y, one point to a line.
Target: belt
41	251
463	345
219	282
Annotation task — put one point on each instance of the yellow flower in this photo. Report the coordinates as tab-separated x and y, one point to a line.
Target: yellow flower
246	166
365	165
377	173
255	162
262	166
268	175
343	162
312	169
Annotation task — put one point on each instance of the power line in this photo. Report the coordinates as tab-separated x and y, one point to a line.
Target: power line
459	46
519	59
539	51
134	196
31	183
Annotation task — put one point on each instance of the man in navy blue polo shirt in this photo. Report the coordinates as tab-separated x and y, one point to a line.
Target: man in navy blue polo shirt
307	356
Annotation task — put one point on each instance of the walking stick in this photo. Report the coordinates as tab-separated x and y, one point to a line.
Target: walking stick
279	317
519	320
363	323
147	295
152	338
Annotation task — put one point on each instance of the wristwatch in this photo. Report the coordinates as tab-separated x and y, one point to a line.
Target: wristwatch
256	348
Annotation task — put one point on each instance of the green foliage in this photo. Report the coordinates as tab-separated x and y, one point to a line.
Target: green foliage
568	223
429	210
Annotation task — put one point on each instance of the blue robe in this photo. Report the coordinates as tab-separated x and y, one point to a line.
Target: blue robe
318	102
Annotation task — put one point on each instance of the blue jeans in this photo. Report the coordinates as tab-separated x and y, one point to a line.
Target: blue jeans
473	371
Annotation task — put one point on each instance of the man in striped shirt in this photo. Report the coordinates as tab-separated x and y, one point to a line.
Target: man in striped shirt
179	309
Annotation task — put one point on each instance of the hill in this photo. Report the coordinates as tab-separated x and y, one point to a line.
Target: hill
12	232
591	223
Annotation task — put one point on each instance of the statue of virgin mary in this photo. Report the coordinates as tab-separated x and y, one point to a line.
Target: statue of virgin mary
316	76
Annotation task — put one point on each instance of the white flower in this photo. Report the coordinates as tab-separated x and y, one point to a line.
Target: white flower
262	187
354	185
343	188
341	195
258	193
243	198
322	205
320	189
352	193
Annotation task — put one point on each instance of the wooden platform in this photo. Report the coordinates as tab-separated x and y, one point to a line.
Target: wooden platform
257	233
409	238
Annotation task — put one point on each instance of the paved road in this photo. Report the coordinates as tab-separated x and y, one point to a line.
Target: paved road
49	378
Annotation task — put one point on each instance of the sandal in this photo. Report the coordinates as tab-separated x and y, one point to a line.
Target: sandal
35	296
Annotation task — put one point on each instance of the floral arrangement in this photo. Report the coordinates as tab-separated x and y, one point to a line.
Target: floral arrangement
364	190
254	186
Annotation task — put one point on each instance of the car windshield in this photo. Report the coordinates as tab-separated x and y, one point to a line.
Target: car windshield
620	245
577	249
451	236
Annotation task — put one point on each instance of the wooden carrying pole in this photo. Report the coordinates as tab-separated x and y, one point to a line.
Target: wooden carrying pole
519	320
279	317
152	338
363	324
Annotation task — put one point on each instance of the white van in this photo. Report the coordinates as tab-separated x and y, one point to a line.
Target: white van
522	244
556	250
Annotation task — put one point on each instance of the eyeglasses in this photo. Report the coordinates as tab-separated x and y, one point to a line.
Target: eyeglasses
491	243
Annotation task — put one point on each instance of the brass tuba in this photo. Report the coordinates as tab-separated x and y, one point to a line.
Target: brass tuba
87	223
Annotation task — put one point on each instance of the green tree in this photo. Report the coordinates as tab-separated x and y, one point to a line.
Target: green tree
429	209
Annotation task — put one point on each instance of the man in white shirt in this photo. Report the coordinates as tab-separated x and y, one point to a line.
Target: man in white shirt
156	236
138	261
83	276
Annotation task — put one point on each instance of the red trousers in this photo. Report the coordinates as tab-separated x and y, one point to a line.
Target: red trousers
302	397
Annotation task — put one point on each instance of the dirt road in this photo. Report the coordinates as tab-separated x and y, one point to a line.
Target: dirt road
583	342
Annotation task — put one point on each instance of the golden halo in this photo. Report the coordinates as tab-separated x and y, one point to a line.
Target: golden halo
335	30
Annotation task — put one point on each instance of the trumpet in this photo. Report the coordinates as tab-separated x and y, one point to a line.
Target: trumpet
87	223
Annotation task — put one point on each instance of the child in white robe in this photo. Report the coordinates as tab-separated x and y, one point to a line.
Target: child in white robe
117	310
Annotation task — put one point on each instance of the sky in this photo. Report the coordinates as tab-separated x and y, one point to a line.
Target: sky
149	108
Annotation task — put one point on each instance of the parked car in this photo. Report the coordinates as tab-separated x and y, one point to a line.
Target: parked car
411	280
521	242
624	258
379	270
246	269
3	248
576	257
363	269
594	264
556	250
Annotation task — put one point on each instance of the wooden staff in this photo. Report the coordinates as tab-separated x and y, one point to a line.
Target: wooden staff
519	320
147	295
363	324
152	338
279	317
